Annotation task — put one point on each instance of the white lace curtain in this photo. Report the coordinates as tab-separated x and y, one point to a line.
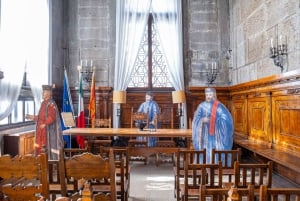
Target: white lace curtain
168	19
131	22
23	47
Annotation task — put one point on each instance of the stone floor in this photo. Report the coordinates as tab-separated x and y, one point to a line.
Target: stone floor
150	182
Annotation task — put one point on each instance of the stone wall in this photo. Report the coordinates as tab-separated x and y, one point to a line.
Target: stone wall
253	24
58	39
90	33
208	33
210	29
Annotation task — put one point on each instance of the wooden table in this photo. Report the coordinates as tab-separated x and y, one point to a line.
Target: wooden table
129	132
134	132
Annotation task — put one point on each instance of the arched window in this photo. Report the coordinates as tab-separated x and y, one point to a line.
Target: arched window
150	70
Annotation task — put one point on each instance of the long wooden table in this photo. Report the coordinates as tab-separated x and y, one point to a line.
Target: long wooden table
134	132
129	132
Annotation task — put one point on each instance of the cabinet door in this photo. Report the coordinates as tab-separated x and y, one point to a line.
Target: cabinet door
28	145
259	117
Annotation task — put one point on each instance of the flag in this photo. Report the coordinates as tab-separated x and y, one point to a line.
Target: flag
80	117
92	105
67	106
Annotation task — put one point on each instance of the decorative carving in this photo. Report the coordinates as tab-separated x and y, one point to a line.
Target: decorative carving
293	91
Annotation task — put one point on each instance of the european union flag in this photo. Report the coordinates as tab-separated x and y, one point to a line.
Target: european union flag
67	106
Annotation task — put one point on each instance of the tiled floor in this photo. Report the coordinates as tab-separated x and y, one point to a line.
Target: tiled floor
156	183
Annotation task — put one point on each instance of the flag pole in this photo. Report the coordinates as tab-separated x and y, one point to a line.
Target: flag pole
92	104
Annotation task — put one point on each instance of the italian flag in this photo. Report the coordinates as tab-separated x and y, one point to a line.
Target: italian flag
80	117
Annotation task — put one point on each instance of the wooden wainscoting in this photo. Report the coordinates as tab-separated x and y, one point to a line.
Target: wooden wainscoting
266	114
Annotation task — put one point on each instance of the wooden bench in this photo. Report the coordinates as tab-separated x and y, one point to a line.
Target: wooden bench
286	194
24	177
285	162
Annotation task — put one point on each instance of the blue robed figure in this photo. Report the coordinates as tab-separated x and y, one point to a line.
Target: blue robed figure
212	125
150	107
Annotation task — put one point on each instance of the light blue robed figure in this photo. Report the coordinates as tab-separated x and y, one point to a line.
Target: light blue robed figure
212	125
150	107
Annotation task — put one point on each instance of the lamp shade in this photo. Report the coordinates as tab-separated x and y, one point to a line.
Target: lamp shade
119	97
178	96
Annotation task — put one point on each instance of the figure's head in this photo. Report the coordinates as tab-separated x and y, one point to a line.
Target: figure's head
210	94
149	96
47	92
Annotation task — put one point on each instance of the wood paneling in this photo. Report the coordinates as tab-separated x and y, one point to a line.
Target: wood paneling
273	113
164	101
286	118
239	114
259	118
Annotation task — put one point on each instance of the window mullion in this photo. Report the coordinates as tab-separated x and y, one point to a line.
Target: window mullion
150	51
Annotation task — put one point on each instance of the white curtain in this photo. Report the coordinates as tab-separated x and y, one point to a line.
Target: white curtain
131	20
22	24
37	57
168	19
132	16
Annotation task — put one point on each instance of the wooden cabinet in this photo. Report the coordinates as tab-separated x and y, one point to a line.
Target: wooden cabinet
19	143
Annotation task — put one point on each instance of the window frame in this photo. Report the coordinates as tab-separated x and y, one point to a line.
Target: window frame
25	96
150	65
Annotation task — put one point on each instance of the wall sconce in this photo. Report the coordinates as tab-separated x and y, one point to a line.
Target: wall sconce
279	51
119	97
178	97
86	71
212	72
227	54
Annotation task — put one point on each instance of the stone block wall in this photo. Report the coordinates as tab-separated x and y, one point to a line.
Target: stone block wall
253	24
207	31
90	38
210	29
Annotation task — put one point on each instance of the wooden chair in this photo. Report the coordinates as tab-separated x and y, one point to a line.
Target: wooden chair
284	194
185	156
135	116
142	141
228	157
100	172
94	144
255	174
195	175
24	177
221	194
165	116
121	157
55	169
69	152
